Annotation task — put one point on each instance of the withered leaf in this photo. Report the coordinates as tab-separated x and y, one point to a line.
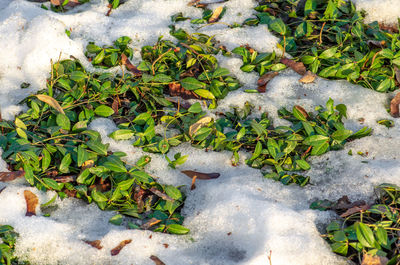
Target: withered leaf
193	2
133	69
153	221
263	81
8	176
161	194
354	210
199	124
389	27
115	105
51	102
176	90
308	77
298	67
65	179
115	251
193	186
156	260
376	43
199	175
179	102
394	106
31	202
302	111
369	259
215	16
70	2
87	164
95	243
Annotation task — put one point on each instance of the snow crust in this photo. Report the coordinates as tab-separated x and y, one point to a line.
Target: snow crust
386	11
235	219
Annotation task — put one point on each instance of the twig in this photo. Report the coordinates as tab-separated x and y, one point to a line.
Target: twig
159	58
320	33
269	257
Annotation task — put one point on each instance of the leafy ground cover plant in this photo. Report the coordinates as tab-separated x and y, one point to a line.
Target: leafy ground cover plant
366	232
7	244
332	40
109	56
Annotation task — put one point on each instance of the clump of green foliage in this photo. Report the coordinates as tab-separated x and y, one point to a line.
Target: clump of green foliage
7	245
373	231
332	40
109	56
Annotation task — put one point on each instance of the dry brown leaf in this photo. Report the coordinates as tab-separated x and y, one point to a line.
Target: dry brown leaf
153	221
193	2
156	260
193	186
176	90
8	176
31	202
115	105
302	111
394	106
199	124
51	102
263	81
65	179
374	260
95	243
180	102
215	16
376	43
309	77
354	210
161	194
389	27
70	3
133	69
298	67
115	251
199	175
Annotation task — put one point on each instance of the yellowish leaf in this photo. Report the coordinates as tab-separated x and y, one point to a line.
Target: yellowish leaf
199	124
51	102
215	15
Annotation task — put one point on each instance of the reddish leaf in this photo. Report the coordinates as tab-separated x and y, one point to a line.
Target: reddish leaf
31	202
199	175
133	69
263	81
115	251
354	210
115	105
298	67
166	245
8	176
95	243
65	179
153	221
394	106
160	194
176	90
156	260
193	186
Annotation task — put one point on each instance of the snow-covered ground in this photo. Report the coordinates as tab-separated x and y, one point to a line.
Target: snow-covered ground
239	218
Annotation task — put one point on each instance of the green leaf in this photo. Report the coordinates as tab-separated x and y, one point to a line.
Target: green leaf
364	235
173	192
315	140
122	134
384	86
220	72
21	133
319	149
309	7
382	237
195	108
328	53
115	164
142	176
97	146
303	164
247	68
98	196
278	25
340	248
116	219
99	57
257	151
126	184
52	184
104	111
46	159
177	229
341	135
20	124
78	76
191	83
63	121
204	93
83	155
65	162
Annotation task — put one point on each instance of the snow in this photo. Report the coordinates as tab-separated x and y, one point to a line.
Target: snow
235	219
